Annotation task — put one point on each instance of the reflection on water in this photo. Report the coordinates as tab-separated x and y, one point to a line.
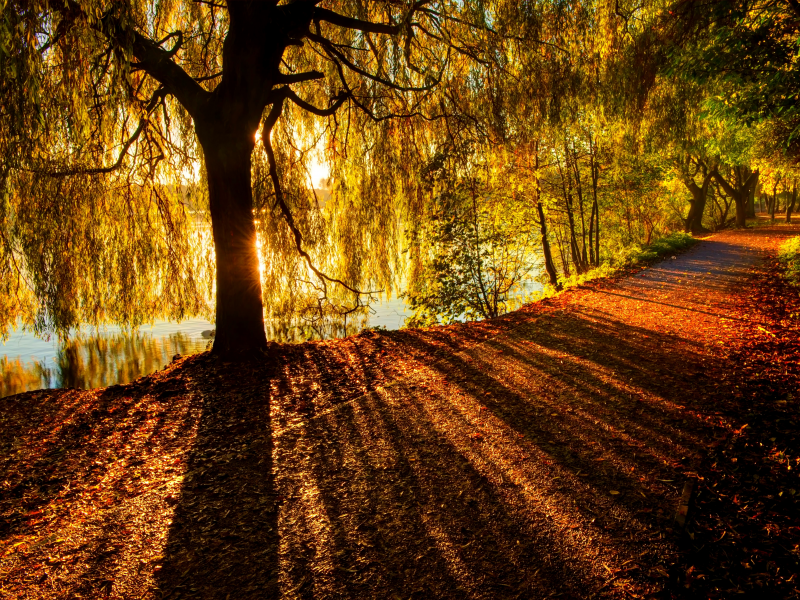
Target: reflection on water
96	361
102	359
302	330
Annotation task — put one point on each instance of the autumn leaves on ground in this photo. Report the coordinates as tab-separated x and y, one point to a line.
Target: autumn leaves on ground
542	454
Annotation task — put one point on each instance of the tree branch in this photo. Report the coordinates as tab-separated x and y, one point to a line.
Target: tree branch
101	170
320	112
157	63
269	123
298	77
176	47
335	54
323	14
155	100
729	189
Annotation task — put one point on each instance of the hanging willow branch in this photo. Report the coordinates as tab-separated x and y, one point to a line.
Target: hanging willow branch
272	118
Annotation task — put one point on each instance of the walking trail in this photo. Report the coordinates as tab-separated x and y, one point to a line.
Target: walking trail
542	454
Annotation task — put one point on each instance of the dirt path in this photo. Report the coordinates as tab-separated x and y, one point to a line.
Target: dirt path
539	455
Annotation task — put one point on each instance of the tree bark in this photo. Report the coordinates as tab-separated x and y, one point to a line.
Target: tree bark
579	190
751	203
549	265
740	193
240	310
594	222
697	205
790	204
566	184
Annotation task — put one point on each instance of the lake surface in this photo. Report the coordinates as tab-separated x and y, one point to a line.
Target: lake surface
113	356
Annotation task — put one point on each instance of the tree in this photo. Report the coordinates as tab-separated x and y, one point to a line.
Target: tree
689	168
109	106
477	247
742	182
747	48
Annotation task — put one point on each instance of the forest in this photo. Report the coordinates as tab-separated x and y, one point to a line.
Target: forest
587	209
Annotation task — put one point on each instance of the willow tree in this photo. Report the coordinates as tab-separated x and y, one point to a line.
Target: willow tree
125	124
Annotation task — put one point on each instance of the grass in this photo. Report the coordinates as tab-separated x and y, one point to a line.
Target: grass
789	255
634	255
675	242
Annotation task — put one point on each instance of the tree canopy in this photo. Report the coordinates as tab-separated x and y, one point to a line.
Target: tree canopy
128	126
156	156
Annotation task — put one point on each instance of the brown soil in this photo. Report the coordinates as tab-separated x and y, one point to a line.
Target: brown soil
542	454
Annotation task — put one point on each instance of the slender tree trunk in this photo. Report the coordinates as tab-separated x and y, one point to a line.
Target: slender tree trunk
591	235
549	265
597	236
790	204
561	251
240	311
566	188
594	223
573	241
579	191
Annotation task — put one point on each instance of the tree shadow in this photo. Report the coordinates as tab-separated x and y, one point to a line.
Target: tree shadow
547	470
223	536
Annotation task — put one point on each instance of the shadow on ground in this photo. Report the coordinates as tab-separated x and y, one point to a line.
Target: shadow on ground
540	454
547	459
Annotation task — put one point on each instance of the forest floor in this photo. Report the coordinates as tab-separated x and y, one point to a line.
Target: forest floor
543	454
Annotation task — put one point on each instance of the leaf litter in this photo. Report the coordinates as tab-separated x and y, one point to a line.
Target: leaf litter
541	454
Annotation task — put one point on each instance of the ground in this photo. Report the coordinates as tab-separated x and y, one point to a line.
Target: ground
542	454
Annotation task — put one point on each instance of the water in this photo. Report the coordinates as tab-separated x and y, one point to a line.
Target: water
113	356
100	359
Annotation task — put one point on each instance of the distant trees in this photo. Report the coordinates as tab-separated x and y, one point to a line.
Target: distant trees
479	251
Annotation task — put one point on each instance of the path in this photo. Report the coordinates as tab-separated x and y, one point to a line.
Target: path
537	455
554	452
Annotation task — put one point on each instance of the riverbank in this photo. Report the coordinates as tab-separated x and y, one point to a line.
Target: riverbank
542	452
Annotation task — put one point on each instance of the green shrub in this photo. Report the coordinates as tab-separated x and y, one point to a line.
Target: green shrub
626	257
664	246
789	255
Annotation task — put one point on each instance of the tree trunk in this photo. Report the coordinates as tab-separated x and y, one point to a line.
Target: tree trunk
573	240
592	261
597	237
697	205
751	203
579	190
549	265
790	203
694	220
240	310
741	211
594	225
562	253
740	193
